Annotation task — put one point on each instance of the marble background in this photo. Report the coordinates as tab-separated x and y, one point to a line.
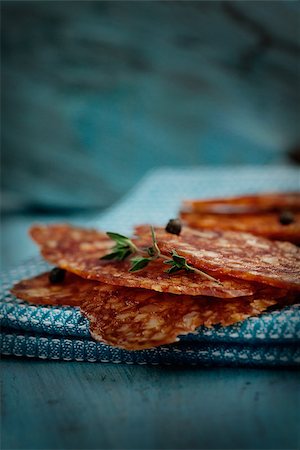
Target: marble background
96	93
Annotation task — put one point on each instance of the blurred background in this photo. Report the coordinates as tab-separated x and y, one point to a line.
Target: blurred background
97	93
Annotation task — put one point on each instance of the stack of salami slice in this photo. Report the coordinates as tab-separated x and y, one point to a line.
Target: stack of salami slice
275	215
247	274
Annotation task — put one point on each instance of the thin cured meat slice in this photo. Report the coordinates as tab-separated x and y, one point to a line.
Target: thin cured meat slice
40	291
272	215
153	277
79	251
69	239
263	224
256	203
136	319
230	253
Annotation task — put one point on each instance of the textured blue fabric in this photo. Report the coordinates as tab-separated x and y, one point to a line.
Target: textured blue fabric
45	347
63	333
272	327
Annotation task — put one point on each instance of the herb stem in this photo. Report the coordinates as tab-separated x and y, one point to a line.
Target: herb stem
133	247
205	275
124	247
155	242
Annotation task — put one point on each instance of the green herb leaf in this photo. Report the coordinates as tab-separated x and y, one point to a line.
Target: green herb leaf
119	254
123	248
122	241
113	255
138	264
124	253
116	236
119	238
173	269
179	260
169	261
151	251
178	263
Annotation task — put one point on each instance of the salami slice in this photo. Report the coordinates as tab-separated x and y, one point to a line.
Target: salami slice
230	253
257	203
136	319
70	239
79	251
38	290
263	224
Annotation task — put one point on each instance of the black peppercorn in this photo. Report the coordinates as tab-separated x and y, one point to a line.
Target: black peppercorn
173	226
57	275
286	218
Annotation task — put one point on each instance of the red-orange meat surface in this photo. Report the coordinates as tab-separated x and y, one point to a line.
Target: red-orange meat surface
234	254
79	251
135	319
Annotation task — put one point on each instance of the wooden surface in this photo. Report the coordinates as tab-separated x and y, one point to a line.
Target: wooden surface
59	405
94	95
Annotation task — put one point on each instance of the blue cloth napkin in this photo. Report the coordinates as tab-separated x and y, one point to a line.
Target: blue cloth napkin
63	333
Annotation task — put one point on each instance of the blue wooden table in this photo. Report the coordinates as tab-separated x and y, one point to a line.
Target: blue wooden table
95	94
72	405
60	405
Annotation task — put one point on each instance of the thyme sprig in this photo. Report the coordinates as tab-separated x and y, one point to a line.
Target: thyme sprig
124	248
179	263
153	252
